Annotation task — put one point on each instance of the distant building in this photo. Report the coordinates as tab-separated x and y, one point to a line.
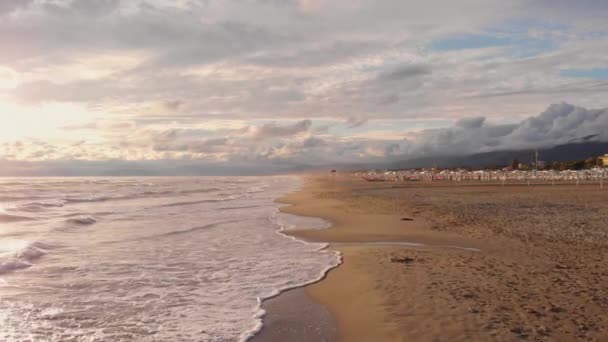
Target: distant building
604	160
541	164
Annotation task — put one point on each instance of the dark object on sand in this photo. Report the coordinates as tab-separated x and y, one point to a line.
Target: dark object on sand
404	260
371	179
407	219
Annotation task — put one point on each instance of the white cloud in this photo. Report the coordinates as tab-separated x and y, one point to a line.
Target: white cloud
230	80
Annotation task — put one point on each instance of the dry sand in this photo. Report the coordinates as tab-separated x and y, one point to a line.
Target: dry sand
540	274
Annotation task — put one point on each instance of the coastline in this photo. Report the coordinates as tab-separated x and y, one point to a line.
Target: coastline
359	307
505	291
291	314
325	295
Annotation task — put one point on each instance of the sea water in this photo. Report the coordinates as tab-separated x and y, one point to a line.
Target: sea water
147	259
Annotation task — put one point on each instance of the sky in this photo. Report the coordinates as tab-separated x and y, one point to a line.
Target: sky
260	86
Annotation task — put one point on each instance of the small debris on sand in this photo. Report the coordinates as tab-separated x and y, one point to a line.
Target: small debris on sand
403	260
520	332
543	330
407	219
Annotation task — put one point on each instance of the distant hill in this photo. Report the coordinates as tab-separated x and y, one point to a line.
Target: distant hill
567	152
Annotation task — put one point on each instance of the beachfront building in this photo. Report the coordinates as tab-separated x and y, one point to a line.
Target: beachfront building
595	174
604	160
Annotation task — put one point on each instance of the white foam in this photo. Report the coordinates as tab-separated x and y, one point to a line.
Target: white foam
290	222
285	222
173	266
19	254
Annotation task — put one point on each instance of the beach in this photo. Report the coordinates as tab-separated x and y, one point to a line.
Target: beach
454	262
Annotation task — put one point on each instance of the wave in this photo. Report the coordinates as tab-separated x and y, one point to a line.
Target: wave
260	312
287	221
21	198
23	257
194	229
177	232
173	192
256	189
143	194
241	207
82	220
156	193
38	206
98	213
12	183
13	265
177	204
4	217
199	191
87	199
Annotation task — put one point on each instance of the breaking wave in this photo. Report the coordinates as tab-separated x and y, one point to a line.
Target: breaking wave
82	220
18	254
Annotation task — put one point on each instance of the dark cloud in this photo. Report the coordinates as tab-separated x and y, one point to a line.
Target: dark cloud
174	105
8	6
558	124
354	122
388	100
468	123
94	8
273	130
404	72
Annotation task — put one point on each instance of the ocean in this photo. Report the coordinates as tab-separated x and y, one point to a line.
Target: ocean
147	259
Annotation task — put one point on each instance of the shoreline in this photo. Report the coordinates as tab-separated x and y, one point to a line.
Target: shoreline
298	202
293	316
355	234
521	255
310	321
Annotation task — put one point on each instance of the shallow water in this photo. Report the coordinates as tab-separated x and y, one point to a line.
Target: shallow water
147	259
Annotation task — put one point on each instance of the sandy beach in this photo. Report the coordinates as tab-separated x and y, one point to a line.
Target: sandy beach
454	263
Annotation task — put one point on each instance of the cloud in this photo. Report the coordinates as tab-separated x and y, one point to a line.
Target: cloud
353	122
335	59
311	5
559	124
273	130
469	123
8	6
273	146
405	72
206	146
174	104
315	82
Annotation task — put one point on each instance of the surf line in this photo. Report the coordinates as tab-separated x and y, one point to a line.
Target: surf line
400	243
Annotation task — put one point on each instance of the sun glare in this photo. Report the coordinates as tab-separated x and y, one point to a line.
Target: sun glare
8	78
45	121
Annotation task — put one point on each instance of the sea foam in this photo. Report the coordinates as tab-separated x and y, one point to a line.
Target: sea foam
151	259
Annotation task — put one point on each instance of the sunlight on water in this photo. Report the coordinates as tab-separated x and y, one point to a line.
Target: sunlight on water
122	259
11	246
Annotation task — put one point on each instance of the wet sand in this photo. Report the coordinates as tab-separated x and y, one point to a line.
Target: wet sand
540	273
294	316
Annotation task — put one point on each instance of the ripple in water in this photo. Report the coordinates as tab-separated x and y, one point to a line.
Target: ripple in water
175	266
